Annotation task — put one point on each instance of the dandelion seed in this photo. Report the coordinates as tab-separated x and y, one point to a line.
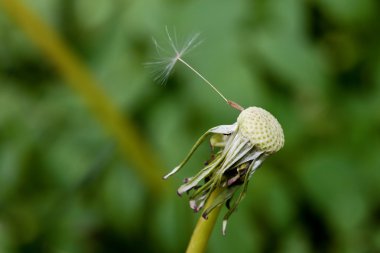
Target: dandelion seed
168	59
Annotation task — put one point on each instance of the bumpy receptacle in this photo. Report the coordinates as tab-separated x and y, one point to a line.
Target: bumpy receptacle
262	129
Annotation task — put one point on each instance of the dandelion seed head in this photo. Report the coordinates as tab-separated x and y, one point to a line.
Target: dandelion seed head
238	150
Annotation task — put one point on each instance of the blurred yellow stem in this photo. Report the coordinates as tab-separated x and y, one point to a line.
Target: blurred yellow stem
82	81
202	232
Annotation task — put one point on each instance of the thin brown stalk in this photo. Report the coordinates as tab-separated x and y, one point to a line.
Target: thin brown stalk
82	81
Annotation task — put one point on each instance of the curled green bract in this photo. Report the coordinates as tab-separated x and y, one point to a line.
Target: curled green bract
238	150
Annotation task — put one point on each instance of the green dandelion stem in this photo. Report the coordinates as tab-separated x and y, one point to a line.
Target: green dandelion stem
203	229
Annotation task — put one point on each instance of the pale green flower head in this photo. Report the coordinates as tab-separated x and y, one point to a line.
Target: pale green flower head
238	150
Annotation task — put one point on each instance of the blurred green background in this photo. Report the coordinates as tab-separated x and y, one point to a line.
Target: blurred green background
315	64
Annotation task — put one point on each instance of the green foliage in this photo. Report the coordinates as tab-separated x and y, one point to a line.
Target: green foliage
315	65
